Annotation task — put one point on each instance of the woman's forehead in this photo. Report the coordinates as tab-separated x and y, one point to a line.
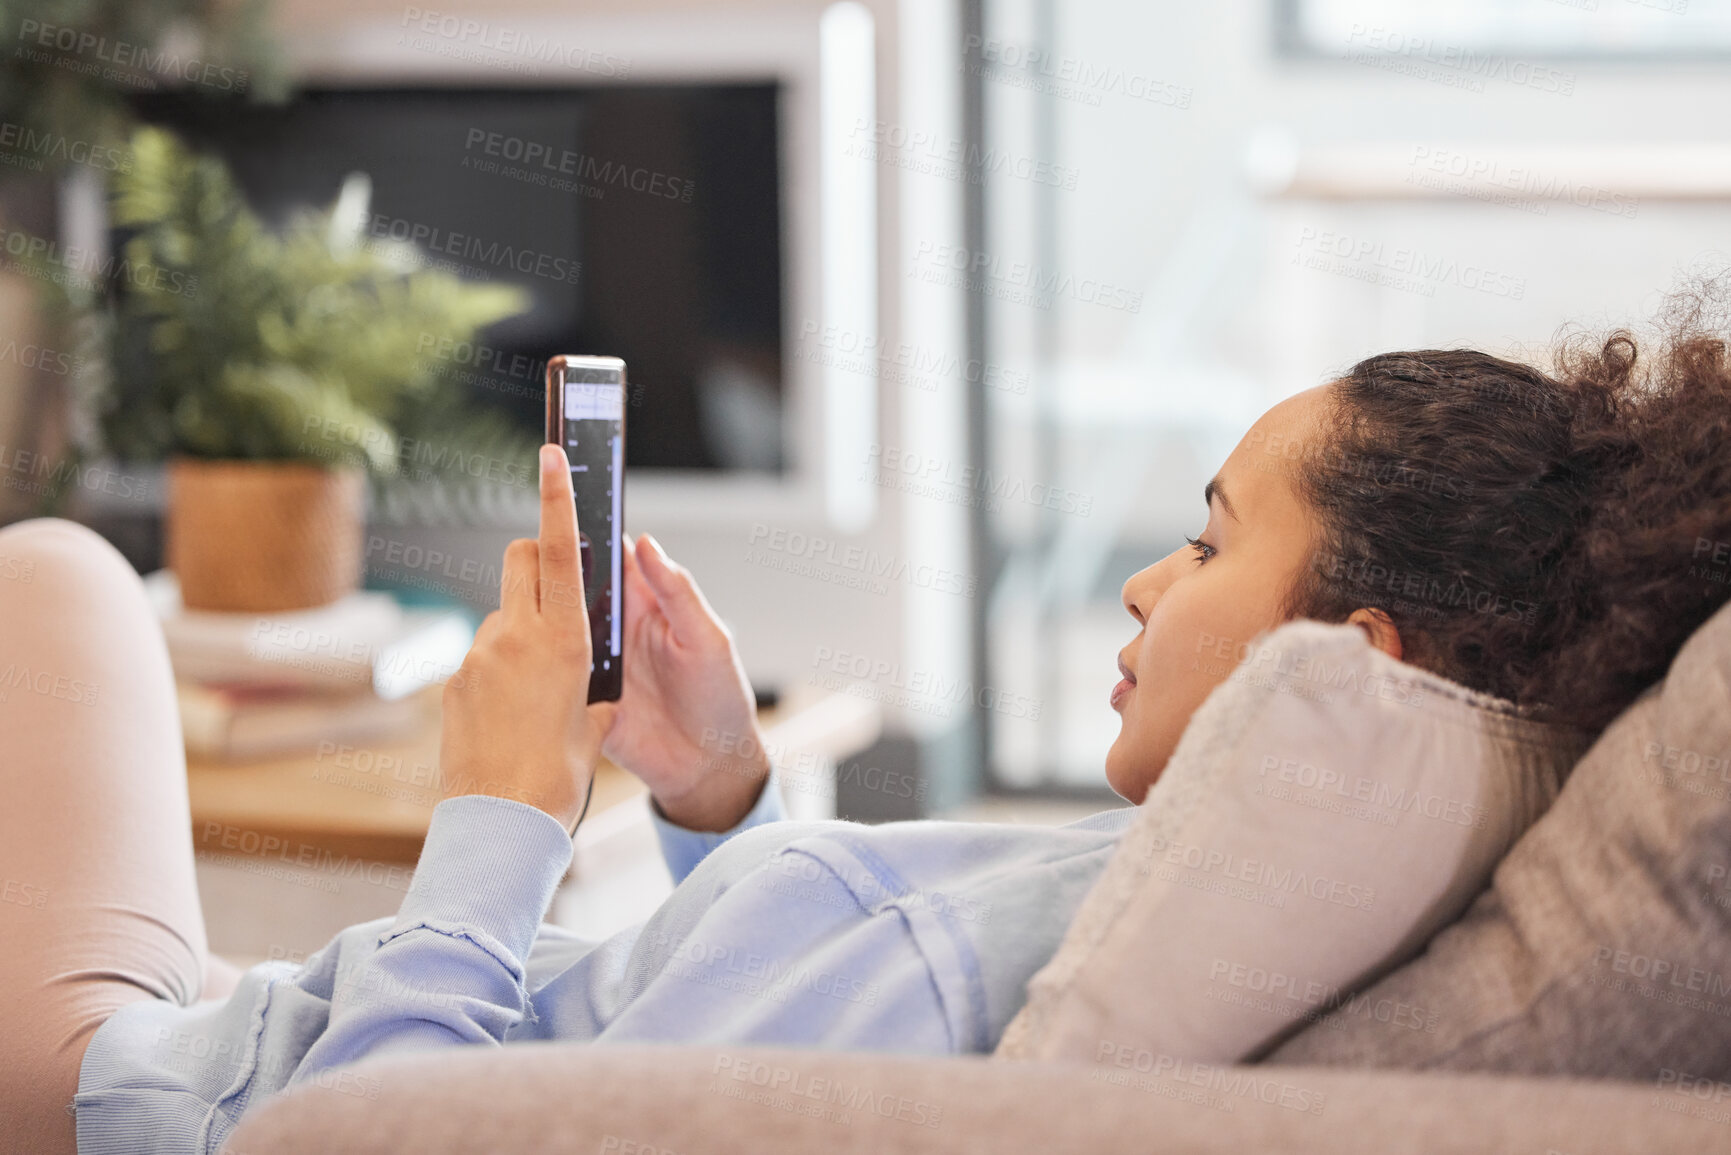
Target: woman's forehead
1280	440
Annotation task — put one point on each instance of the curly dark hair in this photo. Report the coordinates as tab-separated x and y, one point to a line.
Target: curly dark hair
1550	538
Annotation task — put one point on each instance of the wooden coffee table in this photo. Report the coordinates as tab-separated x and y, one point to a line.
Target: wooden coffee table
374	801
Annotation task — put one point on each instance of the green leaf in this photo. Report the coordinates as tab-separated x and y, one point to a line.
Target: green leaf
247	339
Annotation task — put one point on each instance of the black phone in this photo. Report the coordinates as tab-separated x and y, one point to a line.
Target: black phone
586	415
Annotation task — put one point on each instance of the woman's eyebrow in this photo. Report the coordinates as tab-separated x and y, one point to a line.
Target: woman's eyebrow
1217	489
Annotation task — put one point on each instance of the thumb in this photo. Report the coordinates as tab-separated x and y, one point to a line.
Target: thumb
592	743
601	716
680	599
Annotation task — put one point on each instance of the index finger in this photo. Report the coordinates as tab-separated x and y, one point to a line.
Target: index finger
561	562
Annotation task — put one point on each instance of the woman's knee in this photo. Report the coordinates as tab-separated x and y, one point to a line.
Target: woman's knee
58	558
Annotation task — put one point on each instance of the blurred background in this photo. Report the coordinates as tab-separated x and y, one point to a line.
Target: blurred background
938	313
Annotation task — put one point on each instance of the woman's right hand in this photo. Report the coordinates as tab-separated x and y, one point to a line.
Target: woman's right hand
687	720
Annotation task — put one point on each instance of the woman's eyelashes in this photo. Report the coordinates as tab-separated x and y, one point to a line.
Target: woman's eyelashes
1204	551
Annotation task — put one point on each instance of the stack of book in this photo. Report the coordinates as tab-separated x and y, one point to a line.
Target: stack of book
257	686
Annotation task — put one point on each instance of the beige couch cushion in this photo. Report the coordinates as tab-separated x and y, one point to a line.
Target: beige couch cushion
551	1099
1604	945
1327	810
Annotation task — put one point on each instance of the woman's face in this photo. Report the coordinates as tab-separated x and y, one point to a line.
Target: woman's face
1198	605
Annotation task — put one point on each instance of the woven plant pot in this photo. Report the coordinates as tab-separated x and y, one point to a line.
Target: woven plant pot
263	536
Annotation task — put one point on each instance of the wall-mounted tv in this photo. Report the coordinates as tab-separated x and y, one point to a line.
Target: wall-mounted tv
645	220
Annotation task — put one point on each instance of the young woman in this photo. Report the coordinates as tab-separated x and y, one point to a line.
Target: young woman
1549	539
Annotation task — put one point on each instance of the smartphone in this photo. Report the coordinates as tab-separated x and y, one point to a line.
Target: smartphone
586	415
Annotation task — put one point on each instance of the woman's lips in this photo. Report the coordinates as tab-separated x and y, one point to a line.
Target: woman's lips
1124	686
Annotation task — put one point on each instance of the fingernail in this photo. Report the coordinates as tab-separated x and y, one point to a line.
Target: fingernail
549	458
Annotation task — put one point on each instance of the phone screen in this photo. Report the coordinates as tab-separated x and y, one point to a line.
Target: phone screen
592	430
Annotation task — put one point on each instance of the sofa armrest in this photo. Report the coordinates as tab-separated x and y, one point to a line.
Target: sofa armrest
538	1099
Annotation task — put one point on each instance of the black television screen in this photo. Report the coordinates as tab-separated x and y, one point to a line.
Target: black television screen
645	220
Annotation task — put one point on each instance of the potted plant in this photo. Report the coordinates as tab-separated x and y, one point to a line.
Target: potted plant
272	371
72	71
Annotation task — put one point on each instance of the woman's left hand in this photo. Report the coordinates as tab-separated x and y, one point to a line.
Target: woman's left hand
516	719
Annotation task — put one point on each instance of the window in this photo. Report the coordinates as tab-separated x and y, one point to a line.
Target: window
1481	31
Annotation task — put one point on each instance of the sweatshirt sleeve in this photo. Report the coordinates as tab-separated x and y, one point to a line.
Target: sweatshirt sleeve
683	849
450	969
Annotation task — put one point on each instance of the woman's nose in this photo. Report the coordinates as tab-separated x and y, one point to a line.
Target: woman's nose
1144	588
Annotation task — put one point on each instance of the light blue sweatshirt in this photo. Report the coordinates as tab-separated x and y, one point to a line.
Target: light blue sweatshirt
914	937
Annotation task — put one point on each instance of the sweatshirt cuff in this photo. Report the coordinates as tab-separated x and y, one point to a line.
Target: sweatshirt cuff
683	849
490	865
